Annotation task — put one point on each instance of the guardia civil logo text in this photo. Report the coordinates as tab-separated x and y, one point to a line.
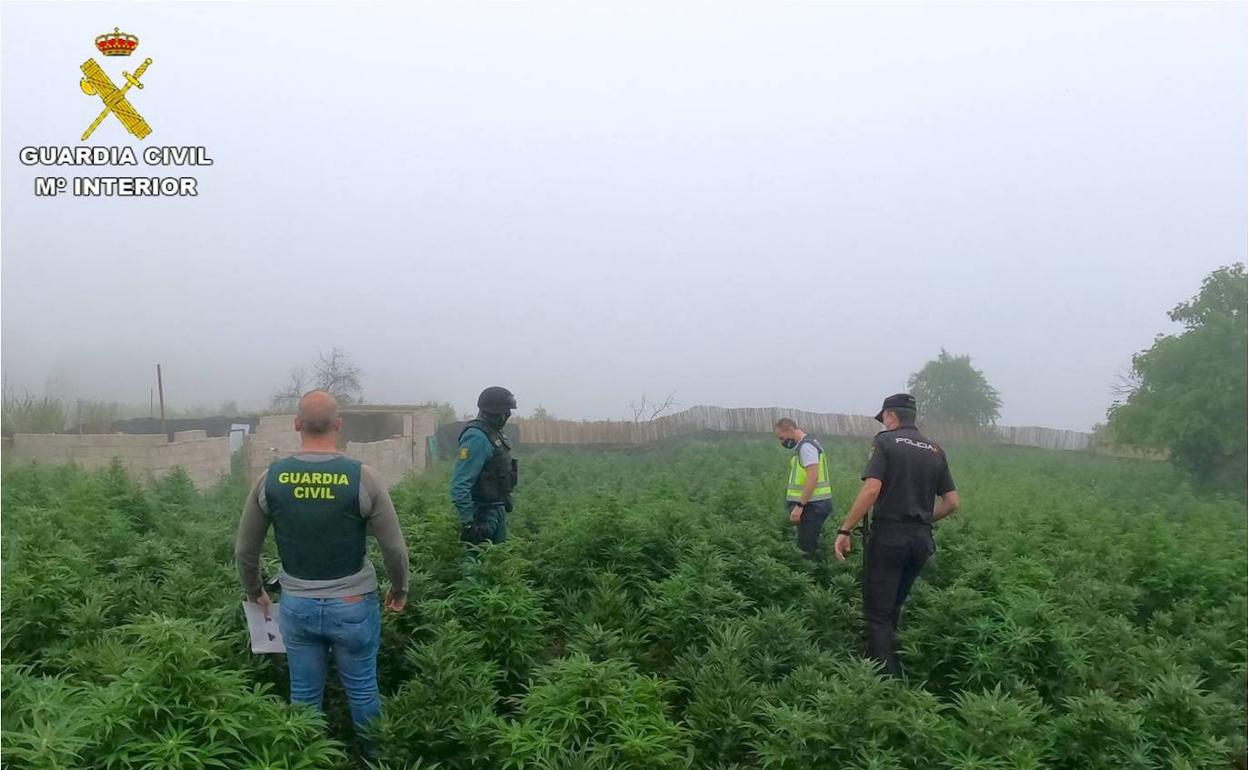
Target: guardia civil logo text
115	110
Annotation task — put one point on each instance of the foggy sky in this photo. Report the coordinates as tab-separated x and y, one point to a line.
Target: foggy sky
748	205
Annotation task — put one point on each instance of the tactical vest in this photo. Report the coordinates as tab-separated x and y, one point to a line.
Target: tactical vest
315	508
499	475
797	474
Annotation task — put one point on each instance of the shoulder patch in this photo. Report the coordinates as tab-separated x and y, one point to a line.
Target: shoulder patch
463	453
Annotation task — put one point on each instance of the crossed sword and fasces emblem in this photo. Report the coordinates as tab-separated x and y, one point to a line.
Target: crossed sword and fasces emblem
97	82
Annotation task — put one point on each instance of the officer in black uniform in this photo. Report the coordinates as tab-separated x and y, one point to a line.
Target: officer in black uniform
905	473
485	472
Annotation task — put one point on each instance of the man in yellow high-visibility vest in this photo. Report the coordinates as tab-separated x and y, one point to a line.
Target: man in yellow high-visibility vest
809	494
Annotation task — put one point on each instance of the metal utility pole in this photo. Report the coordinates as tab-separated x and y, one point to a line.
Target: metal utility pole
160	386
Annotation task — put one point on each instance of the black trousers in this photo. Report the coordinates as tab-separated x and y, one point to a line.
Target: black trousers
810	525
893	558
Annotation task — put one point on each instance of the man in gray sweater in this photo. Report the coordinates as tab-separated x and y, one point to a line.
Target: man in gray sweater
322	505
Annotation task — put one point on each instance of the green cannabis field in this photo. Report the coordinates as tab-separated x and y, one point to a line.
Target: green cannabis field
651	611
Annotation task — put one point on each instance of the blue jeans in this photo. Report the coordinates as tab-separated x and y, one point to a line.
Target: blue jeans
312	628
810	525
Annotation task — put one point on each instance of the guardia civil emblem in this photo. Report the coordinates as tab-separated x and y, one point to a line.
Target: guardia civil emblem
97	83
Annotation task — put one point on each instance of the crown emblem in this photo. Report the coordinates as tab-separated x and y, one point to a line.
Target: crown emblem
116	43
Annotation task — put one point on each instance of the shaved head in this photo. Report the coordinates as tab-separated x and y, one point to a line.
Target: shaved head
318	413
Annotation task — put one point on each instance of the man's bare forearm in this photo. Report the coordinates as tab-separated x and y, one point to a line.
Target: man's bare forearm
812	478
946	506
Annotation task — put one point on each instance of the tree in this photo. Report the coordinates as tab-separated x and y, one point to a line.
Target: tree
97	416
949	389
333	372
28	413
650	409
338	375
541	413
1188	393
286	399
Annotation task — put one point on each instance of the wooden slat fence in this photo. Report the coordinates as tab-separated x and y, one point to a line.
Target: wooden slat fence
761	419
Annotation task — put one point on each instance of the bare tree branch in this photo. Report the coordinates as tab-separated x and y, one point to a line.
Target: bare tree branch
638	409
287	398
338	375
1125	383
641	408
668	403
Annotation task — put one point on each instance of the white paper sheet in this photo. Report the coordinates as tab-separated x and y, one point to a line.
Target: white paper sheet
265	635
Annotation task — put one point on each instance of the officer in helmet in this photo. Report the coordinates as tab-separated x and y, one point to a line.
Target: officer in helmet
485	473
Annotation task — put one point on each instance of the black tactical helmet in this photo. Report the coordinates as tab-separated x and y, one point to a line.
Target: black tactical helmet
495	399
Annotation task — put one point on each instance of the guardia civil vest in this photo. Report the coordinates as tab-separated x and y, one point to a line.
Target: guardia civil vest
315	509
498	477
797	474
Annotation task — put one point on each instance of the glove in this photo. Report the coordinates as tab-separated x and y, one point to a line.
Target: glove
473	532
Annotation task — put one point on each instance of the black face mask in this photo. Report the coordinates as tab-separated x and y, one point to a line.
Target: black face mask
788	443
495	420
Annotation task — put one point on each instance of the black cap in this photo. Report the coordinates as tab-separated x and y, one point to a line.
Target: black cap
897	401
496	400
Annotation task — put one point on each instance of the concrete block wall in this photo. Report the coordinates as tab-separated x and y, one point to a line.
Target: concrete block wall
205	459
273	437
424	424
392	458
89	451
144	456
